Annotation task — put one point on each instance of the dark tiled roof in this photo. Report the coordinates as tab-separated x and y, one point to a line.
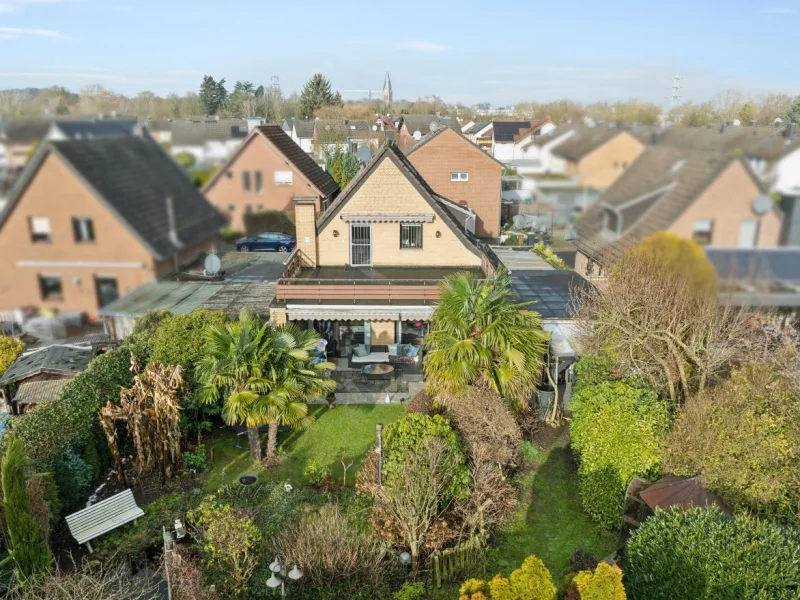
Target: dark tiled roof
666	179
585	141
422	123
54	359
504	131
25	131
320	178
189	133
769	143
78	129
392	152
134	177
304	128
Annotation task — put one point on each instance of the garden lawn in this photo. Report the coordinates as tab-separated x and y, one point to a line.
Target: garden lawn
550	522
347	430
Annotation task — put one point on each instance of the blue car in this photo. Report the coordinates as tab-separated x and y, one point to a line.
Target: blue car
269	240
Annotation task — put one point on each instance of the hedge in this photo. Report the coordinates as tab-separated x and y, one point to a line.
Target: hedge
269	220
705	554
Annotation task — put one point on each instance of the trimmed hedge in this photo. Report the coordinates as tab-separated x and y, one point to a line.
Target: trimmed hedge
269	220
705	554
618	432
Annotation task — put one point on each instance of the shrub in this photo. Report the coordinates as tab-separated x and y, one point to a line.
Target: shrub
314	472
73	476
743	438
592	369
196	460
140	342
10	349
604	583
546	252
269	220
230	235
181	339
705	554
618	432
532	581
411	591
185	159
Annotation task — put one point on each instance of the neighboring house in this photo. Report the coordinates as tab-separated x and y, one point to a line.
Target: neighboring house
87	129
508	136
301	131
412	128
706	196
348	135
38	375
210	142
161	130
268	172
18	138
368	267
462	172
597	157
534	152
90	220
480	134
466	125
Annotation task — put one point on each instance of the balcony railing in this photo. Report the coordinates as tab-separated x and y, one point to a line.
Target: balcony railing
344	290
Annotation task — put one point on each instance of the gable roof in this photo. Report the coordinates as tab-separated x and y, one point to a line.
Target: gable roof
25	131
304	128
536	125
504	131
192	133
318	177
435	134
769	143
133	176
440	205
66	360
650	195
585	141
422	123
87	128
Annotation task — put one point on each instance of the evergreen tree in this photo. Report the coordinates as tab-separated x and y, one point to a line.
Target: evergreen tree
208	95
793	114
220	96
29	550
316	94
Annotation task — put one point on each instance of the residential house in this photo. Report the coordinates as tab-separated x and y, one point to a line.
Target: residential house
596	157
707	196
508	135
18	139
480	134
161	130
268	172
348	135
366	271
460	171
210	142
466	124
38	375
301	131
91	219
77	129
534	152
412	128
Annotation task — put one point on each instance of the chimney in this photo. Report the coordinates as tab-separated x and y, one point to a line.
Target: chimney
305	217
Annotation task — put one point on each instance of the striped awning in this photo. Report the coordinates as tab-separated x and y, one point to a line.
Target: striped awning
344	313
387	218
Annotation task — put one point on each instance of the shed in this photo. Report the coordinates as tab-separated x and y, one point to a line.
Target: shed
681	492
89	523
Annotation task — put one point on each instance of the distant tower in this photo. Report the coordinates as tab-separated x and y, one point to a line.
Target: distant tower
387	89
676	88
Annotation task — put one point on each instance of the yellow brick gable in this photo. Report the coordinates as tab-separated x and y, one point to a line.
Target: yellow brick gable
387	190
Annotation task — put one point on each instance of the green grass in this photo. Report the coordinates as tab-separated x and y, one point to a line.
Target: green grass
550	522
347	430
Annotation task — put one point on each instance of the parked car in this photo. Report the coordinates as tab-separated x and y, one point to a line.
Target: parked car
269	240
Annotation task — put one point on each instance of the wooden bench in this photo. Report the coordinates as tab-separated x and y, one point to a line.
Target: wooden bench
100	518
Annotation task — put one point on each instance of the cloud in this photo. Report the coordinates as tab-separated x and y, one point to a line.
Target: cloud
421	46
11	33
110	77
12	6
778	11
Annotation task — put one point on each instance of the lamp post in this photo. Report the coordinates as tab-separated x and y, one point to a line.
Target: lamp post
279	574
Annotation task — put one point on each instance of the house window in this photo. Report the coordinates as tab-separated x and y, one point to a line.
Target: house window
702	231
459	176
40	230
83	229
248	208
748	233
246	180
410	235
283	178
107	290
50	287
259	182
360	245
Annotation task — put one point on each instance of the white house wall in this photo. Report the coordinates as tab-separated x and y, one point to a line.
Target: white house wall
787	174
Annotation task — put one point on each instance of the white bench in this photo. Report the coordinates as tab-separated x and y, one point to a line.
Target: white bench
100	518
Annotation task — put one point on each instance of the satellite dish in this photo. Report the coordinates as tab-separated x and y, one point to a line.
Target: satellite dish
737	123
212	264
762	204
364	153
434	126
374	128
417	135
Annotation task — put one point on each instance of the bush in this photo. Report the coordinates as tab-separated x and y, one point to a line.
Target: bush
230	235
73	476
269	220
181	339
603	583
411	591
705	554
185	159
314	472
140	342
532	581
196	460
592	369
10	349
618	432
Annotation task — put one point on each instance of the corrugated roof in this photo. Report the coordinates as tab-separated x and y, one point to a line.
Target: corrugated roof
34	392
54	359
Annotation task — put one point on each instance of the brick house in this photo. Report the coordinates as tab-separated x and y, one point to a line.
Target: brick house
268	172
367	268
460	171
92	219
596	157
707	196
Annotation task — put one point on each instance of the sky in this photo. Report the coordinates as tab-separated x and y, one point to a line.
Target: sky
464	51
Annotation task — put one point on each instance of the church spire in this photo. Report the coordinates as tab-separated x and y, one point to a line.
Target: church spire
387	89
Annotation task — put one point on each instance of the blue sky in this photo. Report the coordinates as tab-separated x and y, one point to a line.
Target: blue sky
464	51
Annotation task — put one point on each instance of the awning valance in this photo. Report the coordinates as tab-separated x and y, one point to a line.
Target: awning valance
343	314
387	218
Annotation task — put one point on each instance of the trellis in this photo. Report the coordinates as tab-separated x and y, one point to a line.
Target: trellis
150	408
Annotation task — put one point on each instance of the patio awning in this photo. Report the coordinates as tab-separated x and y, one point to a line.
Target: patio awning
339	313
387	218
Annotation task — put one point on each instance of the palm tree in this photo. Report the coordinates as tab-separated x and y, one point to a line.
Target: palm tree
479	335
233	367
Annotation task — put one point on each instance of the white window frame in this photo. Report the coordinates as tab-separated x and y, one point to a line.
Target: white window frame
371	244
459	176
705	226
414	238
85	225
40	226
283	177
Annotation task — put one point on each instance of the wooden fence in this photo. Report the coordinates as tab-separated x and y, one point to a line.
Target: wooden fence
452	563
